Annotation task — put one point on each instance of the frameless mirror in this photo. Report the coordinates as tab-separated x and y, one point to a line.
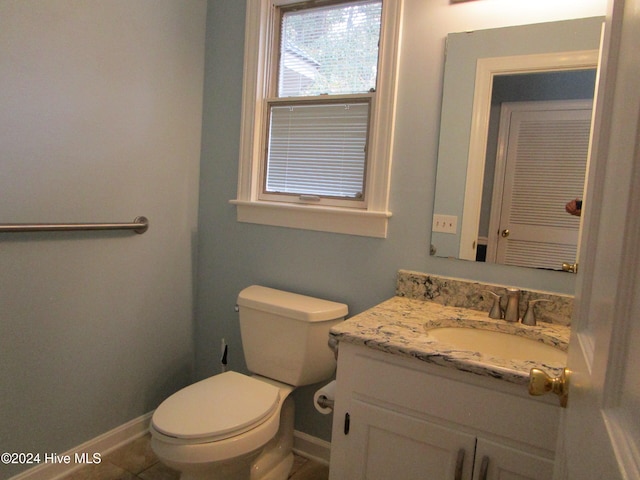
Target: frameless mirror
514	138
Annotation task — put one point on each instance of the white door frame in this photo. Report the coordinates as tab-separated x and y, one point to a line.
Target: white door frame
600	433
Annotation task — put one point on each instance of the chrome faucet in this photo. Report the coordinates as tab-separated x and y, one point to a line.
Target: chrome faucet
512	311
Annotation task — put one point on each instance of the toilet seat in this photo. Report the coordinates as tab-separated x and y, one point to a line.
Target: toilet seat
216	408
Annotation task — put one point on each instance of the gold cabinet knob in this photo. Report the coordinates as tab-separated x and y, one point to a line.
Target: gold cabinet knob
570	267
540	384
505	233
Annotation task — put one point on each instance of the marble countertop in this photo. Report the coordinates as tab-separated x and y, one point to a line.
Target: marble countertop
397	326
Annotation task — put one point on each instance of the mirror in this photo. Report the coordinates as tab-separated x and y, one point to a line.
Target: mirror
514	135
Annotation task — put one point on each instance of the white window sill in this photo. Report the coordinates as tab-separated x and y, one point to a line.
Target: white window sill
311	217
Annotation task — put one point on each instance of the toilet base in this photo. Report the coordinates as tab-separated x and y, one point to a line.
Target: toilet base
235	469
276	459
280	471
271	462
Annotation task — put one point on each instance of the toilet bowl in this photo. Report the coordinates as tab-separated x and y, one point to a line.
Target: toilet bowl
238	427
243	415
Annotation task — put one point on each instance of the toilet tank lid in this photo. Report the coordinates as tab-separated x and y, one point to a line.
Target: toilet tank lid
291	305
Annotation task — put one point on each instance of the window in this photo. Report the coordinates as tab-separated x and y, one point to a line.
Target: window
318	110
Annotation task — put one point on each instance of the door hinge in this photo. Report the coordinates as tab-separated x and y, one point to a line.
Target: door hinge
347	423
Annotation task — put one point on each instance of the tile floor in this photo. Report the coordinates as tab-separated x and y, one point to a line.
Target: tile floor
136	461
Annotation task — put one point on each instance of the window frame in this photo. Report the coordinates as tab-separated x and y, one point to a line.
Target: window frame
369	218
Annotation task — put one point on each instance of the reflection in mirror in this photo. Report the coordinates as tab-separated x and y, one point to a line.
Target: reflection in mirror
513	142
536	162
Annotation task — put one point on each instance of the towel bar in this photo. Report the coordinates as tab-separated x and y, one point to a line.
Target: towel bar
139	225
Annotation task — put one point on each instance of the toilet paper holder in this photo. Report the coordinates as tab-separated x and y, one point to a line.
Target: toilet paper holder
325	402
324	398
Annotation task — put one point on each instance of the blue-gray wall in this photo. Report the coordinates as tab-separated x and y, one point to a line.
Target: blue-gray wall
100	121
356	270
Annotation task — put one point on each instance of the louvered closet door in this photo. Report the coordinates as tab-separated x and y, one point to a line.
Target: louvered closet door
544	156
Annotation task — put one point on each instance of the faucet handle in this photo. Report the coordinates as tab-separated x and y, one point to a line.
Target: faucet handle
496	309
529	317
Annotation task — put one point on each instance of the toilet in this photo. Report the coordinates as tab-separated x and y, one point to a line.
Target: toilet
240	427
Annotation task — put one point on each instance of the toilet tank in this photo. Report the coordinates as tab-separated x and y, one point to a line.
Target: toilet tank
285	335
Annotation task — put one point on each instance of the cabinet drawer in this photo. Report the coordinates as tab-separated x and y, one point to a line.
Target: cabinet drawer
431	391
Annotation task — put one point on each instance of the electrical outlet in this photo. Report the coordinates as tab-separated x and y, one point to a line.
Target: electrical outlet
445	224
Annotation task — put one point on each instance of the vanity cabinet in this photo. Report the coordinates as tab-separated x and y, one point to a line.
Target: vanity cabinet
401	418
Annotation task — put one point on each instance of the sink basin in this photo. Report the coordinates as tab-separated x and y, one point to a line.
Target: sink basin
497	344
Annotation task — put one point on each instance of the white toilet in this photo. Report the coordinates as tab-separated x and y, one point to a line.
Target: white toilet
233	426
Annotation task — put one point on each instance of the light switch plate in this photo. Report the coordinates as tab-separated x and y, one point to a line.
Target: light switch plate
445	224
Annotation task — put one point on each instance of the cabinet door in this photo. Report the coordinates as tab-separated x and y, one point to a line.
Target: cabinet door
387	445
499	462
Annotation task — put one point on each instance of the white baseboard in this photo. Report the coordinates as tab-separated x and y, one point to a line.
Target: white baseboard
102	445
311	447
304	445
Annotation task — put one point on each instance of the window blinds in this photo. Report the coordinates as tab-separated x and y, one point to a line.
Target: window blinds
318	149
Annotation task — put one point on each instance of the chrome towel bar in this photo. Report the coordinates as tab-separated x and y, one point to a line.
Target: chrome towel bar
139	225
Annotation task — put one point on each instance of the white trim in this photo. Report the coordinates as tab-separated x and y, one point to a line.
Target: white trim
486	69
384	112
311	217
311	447
258	33
102	444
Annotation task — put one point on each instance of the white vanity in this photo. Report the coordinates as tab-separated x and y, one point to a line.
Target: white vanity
408	406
